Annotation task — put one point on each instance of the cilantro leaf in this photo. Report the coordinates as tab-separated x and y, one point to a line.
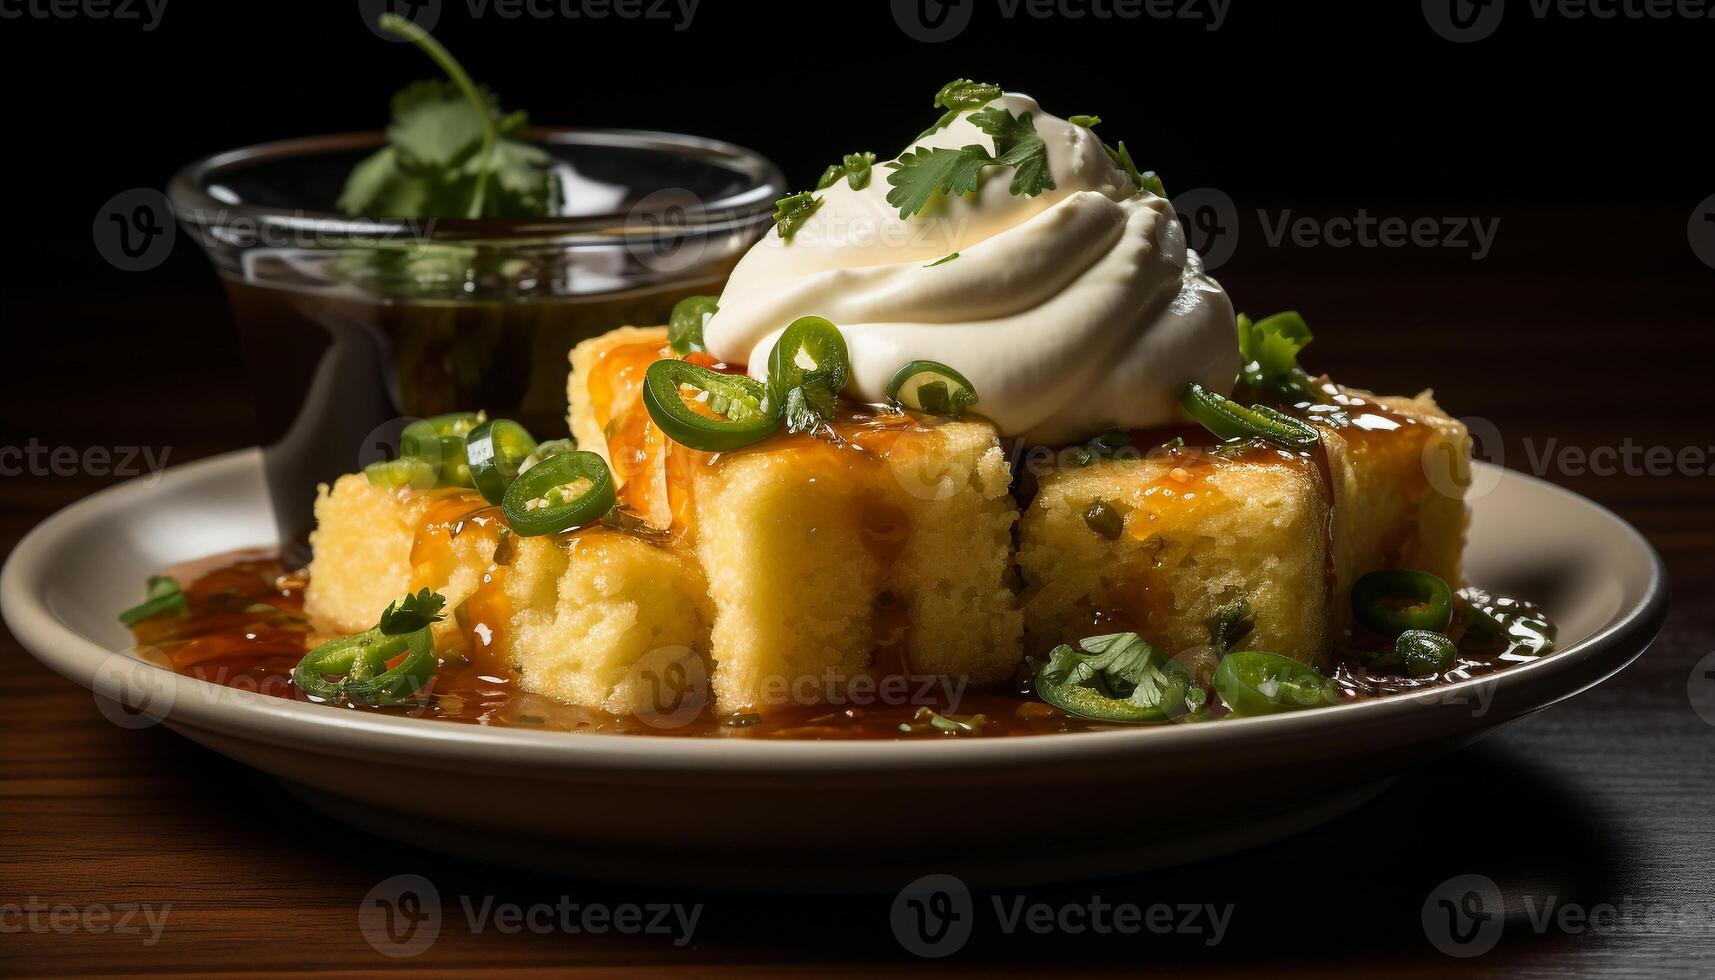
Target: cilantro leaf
1147	180
1088	122
791	212
854	168
957	96
1017	145
412	613
921	175
449	152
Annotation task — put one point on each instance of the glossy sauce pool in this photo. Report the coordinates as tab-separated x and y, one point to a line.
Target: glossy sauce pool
245	628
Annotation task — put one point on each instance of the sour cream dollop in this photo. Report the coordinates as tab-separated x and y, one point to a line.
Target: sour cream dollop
1071	312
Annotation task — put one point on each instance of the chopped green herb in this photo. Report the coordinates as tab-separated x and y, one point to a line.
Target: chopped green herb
742	719
854	168
1269	351
924	175
1088	122
927	721
450	151
1118	677
1017	145
943	260
412	613
1105	520
1103	446
957	96
791	212
1231	624
164	596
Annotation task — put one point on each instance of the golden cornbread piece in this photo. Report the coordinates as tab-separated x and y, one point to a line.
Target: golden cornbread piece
601	619
1397	470
824	565
593	620
885	549
1180	535
1400	474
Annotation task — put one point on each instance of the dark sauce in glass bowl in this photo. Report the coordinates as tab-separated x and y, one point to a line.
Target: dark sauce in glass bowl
245	628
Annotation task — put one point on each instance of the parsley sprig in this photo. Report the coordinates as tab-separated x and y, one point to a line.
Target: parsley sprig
854	167
926	174
960	95
450	151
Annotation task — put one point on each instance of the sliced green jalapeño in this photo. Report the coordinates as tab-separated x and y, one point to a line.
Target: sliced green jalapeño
1389	602
439	440
495	451
807	370
1255	683
736	410
1230	420
1120	678
355	667
559	493
685	326
406	471
1423	652
932	388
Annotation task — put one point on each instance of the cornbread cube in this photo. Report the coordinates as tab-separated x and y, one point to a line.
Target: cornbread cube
821	567
1264	525
600	617
1400	476
824	559
1195	531
579	619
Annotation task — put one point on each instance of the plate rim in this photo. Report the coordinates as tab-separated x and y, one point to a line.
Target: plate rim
253	716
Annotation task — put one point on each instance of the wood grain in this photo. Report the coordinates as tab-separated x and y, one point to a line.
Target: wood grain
1603	800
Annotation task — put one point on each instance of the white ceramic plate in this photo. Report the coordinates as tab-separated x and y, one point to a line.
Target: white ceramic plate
818	815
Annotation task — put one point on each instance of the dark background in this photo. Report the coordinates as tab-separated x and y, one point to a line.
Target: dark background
1578	133
1589	324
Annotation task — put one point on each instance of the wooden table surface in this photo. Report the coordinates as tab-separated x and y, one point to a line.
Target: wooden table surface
1602	804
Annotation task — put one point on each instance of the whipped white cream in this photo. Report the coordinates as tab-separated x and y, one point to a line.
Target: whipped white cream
1071	312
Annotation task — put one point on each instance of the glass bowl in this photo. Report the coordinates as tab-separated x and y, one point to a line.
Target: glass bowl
353	327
